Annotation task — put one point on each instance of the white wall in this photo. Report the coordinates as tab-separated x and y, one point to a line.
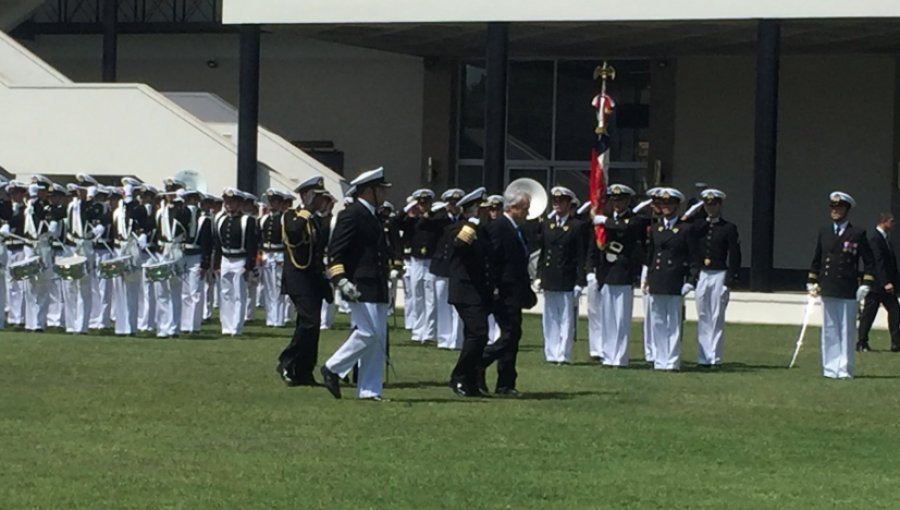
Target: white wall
835	132
418	11
369	103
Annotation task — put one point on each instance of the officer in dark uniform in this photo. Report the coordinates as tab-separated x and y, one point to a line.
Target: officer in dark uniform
304	281
671	276
359	266
834	275
617	265
471	292
885	286
719	259
561	269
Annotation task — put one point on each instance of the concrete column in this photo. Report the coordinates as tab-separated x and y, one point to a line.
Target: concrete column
495	107
110	39
248	108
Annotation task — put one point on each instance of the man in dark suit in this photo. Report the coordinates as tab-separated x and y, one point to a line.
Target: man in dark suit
884	289
510	260
359	267
834	274
471	292
303	280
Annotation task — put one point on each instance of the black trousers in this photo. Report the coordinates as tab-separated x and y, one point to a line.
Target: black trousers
300	356
505	350
870	310
475	338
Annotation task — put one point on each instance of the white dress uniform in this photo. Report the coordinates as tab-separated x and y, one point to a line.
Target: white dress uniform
101	288
834	274
197	253
56	308
36	291
170	235
128	221
593	316
235	238
272	268
147	299
15	248
648	324
78	293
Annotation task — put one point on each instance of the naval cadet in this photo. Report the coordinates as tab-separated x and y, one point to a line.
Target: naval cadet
235	241
719	258
834	275
449	324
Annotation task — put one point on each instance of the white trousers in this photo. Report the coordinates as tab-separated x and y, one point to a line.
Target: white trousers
36	293
252	299
16	291
126	302
146	301
838	334
408	315
712	300
422	299
233	298
649	347
594	310
78	297
559	337
168	306
56	309
191	295
328	310
617	303
101	292
665	320
449	324
366	346
209	293
273	265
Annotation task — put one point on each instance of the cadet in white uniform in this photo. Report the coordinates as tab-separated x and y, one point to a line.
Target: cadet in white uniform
235	241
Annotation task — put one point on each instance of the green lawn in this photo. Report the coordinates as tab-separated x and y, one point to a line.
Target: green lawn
102	422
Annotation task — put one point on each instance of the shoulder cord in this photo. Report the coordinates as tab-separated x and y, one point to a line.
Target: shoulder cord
290	247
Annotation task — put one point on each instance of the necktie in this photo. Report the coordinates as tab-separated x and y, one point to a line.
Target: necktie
837	230
521	240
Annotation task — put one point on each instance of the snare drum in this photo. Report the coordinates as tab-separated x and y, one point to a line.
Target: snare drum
159	271
27	269
114	268
70	268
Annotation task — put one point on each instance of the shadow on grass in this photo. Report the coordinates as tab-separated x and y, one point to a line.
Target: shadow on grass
413	385
728	368
876	377
536	395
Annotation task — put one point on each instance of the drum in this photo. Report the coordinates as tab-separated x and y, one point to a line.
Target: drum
159	271
114	268
26	269
70	268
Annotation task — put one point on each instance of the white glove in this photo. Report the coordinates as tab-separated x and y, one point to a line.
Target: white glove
474	221
348	290
577	291
591	278
128	189
142	241
4	230
862	291
812	289
600	219
98	230
536	285
726	294
54	226
686	289
395	274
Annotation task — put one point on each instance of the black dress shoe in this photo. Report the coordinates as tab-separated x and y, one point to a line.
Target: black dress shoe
481	382
895	348
508	392
331	381
863	347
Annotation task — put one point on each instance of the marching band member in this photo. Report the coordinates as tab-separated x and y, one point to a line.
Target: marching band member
449	325
56	308
235	242
129	235
197	255
251	208
719	251
472	290
561	275
14	233
834	275
359	255
36	290
509	257
305	237
170	221
100	220
616	265
670	277
79	292
210	206
147	298
272	248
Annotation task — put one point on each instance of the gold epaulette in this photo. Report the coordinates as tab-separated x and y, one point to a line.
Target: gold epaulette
813	276
303	213
466	234
868	278
335	270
